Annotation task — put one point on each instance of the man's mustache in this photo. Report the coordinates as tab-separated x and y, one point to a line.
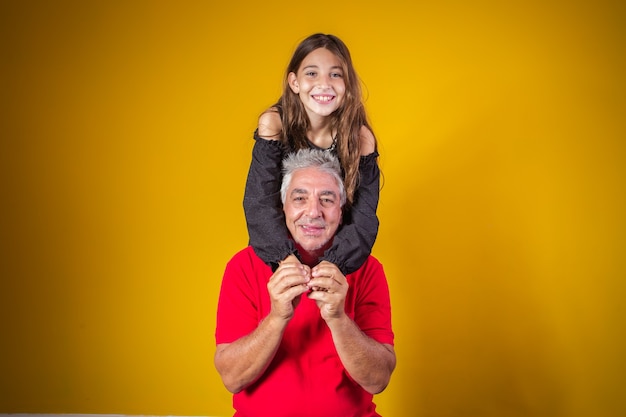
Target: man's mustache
311	223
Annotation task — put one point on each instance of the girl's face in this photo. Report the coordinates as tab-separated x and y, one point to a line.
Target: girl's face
319	83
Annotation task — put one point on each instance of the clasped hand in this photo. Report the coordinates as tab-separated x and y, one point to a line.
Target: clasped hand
324	283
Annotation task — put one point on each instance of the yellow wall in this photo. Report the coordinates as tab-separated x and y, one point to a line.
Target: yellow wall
126	137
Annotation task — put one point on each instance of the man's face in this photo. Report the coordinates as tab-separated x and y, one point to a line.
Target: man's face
312	209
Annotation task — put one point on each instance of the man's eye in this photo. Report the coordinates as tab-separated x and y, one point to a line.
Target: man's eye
327	202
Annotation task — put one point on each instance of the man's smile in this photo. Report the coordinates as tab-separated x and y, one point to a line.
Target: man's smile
312	229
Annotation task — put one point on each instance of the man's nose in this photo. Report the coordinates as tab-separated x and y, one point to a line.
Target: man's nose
313	209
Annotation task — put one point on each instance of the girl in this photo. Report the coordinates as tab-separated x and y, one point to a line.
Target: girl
320	107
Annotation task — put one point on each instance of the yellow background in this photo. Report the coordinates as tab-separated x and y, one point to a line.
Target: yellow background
126	138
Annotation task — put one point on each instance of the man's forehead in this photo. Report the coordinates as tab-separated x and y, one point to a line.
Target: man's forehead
306	191
312	178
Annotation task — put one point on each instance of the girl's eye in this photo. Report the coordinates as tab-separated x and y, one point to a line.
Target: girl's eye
310	74
336	75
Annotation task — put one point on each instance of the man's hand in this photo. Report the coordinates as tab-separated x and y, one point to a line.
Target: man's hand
286	285
367	361
329	287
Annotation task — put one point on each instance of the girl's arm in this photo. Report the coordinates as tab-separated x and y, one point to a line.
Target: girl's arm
262	205
355	238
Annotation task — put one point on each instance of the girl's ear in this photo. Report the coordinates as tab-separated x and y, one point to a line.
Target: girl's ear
293	83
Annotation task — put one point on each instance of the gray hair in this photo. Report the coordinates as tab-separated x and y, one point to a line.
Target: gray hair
312	158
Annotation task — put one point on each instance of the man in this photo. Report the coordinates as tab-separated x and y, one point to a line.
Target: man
305	340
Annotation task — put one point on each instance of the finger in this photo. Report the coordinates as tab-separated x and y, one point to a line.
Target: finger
324	268
320	284
285	285
289	267
331	284
326	297
292	292
330	304
319	296
291	259
290	274
328	270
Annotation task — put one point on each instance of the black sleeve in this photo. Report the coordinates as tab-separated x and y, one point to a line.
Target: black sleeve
355	238
262	205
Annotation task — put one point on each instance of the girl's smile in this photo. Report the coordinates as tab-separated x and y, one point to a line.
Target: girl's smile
323	98
319	83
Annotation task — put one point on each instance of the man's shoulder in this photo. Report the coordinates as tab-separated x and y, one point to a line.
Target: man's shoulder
246	265
370	276
371	264
245	256
372	260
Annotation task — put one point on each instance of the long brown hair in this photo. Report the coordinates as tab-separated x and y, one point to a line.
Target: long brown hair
346	120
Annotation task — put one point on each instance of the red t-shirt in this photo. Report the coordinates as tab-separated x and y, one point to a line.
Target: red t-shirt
306	376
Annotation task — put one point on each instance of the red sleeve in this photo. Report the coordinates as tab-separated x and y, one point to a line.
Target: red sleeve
372	304
239	307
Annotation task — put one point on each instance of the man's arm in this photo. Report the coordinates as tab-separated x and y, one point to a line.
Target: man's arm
243	361
368	362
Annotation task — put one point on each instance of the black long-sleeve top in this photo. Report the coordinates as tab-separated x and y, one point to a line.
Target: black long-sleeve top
265	219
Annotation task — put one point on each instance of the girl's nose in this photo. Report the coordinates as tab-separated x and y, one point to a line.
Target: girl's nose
324	81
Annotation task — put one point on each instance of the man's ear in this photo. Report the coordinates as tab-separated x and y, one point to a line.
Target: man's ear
293	83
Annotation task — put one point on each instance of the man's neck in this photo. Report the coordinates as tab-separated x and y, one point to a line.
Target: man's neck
308	259
311	258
